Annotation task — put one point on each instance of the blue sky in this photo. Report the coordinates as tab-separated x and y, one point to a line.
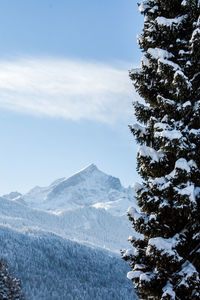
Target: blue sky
65	94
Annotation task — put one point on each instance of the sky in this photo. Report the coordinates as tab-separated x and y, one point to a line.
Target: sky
65	94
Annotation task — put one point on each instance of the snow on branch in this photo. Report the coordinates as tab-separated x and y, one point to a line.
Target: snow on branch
165	246
140	276
162	21
165	101
134	274
154	155
158	53
139	130
188	271
159	183
184	3
180	75
169	63
134	214
173	134
143	6
182	164
135	71
145	62
130	253
168	292
189	191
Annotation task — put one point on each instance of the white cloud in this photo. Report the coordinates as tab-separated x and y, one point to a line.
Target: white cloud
68	89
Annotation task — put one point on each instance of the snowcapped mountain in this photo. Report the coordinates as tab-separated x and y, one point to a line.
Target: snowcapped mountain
86	211
89	207
12	196
88	187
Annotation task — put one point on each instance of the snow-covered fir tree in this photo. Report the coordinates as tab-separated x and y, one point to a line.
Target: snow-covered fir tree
10	287
165	258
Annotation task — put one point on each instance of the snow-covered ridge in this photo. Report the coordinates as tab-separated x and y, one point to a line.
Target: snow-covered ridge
89	207
88	187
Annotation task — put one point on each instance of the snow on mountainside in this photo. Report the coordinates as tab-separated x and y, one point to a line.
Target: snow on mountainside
89	207
88	187
85	224
53	268
56	234
12	196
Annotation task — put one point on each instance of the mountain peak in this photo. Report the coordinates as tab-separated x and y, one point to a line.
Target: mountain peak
12	195
89	168
86	187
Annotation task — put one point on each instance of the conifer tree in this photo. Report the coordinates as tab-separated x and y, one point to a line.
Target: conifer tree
165	258
10	287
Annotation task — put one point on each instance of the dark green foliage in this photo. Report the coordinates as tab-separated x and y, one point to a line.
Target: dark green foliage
165	260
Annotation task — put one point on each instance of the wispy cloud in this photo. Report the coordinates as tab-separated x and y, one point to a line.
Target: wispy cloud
69	89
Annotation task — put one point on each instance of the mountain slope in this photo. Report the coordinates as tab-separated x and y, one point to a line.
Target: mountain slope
84	224
87	187
54	268
89	207
55	237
